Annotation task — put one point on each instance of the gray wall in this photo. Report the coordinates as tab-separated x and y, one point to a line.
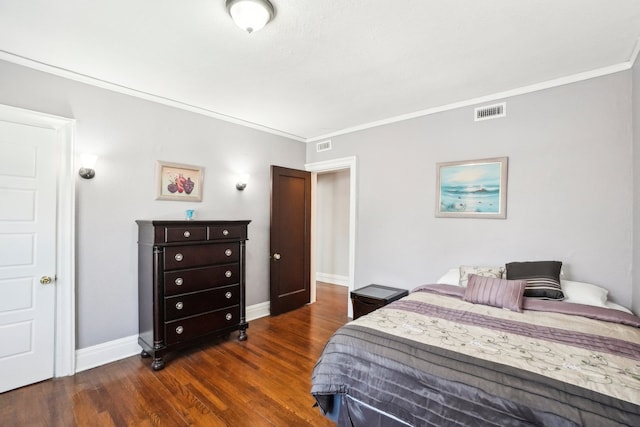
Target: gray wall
636	187
570	192
570	187
332	222
130	135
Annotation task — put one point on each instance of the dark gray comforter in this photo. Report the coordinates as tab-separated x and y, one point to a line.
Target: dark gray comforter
425	385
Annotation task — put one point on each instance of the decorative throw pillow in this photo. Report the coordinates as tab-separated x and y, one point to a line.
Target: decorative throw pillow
543	278
501	293
466	270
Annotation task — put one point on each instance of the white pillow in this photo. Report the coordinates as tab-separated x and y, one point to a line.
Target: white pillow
451	277
584	293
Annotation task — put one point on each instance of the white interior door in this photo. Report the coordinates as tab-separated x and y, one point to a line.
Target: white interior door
28	180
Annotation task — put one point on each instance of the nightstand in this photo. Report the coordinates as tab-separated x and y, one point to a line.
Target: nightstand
372	297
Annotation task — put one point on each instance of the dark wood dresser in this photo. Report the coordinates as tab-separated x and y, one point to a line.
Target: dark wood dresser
191	283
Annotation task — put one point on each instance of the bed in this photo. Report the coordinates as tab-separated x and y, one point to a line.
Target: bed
485	354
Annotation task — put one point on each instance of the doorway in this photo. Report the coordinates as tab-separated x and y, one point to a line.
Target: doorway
343	164
332	227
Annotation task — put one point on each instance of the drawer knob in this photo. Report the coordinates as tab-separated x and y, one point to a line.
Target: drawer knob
187	234
228	316
179	281
228	252
225	232
179	305
227	295
227	273
179	330
179	257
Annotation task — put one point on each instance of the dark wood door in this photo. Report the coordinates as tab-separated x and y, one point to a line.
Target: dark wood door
290	239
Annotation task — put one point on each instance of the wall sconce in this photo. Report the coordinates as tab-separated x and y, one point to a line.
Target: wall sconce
250	15
241	184
87	164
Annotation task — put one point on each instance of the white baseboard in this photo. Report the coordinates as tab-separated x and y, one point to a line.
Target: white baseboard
257	311
335	279
111	351
101	354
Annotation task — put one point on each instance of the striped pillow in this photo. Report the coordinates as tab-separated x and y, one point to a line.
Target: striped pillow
501	293
543	278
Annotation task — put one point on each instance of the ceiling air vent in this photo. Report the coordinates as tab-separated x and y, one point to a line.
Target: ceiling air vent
491	111
323	146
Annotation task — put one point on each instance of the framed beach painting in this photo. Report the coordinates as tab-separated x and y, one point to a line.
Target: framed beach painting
176	181
472	188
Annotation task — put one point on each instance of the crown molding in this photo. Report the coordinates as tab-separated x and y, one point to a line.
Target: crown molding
82	78
487	98
71	75
634	54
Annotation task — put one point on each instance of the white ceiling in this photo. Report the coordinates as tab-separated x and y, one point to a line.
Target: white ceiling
321	67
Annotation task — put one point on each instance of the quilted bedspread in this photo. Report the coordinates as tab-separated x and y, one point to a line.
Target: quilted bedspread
434	359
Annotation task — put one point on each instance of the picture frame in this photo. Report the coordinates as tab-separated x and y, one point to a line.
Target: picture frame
177	181
472	188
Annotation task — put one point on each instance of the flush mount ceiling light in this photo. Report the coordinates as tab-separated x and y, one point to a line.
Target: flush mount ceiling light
250	15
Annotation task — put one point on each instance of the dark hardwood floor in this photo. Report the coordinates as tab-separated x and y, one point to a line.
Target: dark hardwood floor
264	381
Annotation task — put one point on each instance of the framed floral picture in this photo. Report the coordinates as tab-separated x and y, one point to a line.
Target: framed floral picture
176	181
472	188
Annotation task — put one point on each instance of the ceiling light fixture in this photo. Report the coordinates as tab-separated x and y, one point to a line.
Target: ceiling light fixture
250	15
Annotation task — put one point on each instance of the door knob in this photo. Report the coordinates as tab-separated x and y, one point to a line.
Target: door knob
45	280
276	256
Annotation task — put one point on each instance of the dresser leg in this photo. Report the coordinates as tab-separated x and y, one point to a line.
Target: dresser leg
242	336
144	354
157	364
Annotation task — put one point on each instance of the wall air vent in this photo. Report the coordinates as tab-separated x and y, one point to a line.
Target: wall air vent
323	146
490	112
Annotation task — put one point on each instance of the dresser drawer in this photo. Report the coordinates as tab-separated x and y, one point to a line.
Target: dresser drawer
185	234
201	302
227	232
193	327
200	255
198	279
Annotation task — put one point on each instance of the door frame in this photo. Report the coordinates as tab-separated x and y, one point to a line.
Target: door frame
65	309
349	163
